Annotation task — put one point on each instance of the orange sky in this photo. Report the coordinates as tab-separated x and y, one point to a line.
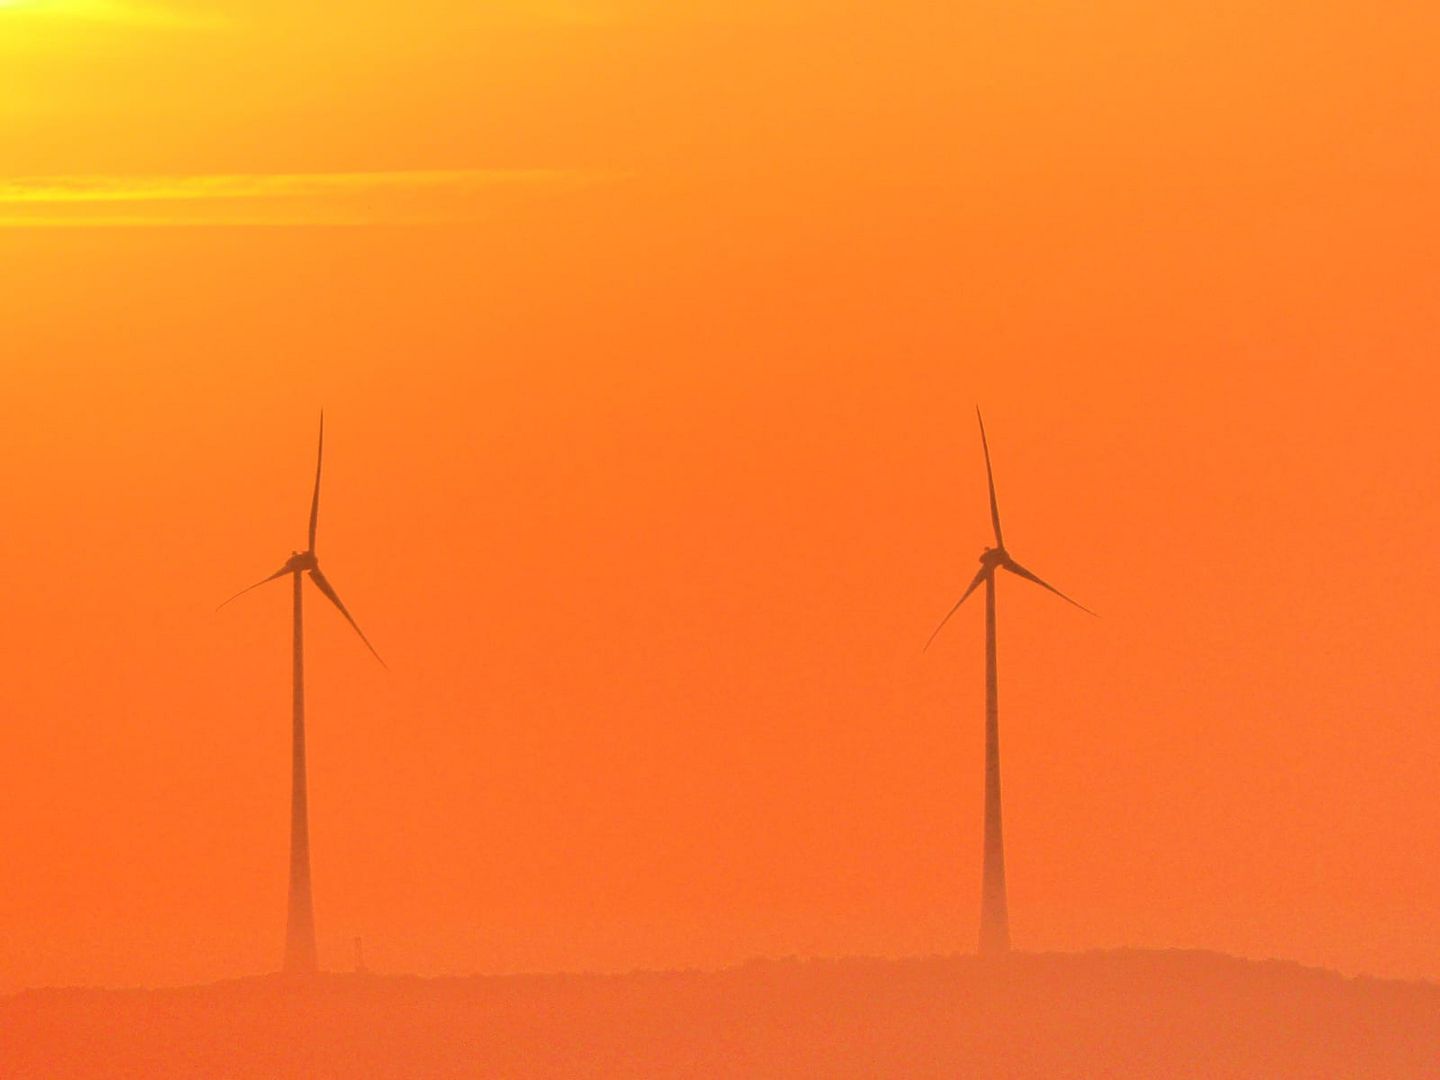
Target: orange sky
650	344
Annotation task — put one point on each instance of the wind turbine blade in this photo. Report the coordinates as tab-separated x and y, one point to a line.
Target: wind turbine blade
974	584
1016	568
315	499
329	590
990	477
277	574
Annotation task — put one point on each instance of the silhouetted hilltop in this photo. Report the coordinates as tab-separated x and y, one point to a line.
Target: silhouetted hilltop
1122	1014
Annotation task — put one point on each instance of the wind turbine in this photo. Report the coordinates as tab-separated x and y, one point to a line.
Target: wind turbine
300	922
994	909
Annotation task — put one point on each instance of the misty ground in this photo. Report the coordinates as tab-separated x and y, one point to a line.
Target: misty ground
1128	1013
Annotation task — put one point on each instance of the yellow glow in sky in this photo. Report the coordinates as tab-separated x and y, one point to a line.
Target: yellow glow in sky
101	11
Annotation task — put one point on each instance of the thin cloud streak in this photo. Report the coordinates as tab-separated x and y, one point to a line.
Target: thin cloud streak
338	198
165	188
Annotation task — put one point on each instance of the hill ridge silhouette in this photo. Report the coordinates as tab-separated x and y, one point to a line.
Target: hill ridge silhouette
1119	1013
1016	956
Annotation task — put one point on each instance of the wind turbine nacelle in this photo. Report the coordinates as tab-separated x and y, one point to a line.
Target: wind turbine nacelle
993	557
300	560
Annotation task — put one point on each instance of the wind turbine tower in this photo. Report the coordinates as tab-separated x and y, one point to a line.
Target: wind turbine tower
994	906
300	921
